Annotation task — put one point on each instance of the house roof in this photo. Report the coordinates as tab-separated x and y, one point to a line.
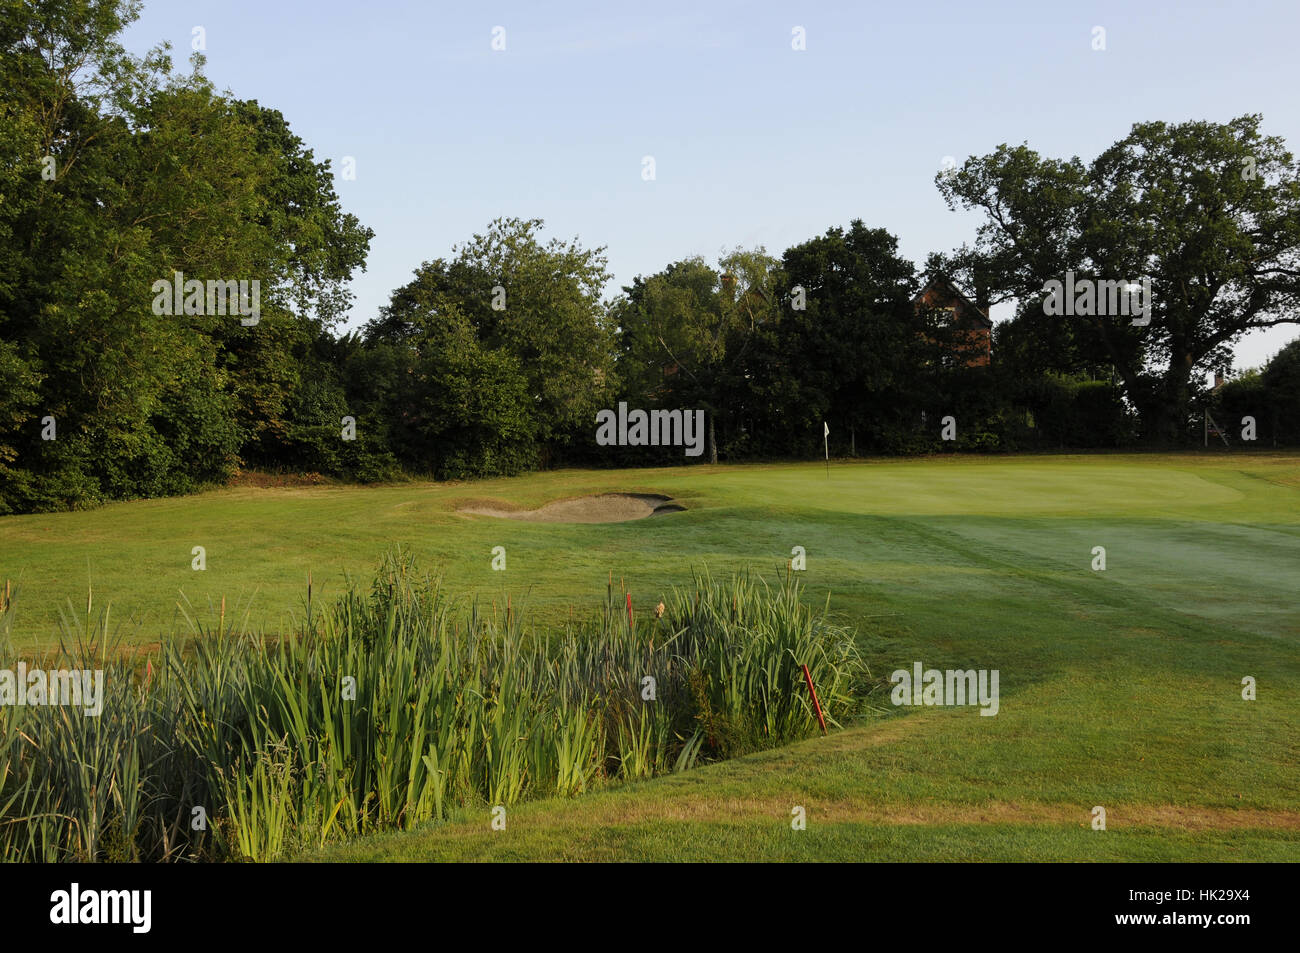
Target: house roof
946	283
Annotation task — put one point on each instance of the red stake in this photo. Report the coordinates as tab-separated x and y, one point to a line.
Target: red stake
807	677
629	610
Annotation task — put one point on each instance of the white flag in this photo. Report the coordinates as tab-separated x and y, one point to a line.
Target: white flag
826	429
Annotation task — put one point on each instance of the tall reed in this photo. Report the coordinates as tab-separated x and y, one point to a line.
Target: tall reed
393	707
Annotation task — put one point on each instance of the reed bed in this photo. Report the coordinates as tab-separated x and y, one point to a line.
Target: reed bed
395	706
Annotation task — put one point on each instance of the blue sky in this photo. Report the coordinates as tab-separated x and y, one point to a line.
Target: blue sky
753	142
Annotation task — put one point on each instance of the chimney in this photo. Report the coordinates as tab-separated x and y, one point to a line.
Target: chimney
1218	378
729	284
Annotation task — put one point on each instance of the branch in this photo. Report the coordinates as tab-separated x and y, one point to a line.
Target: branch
676	361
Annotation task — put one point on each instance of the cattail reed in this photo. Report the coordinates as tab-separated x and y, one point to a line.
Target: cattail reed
395	706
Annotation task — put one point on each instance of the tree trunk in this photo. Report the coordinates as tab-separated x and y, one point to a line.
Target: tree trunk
1169	425
1163	412
713	442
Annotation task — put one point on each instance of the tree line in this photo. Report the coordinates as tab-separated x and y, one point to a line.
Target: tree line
118	172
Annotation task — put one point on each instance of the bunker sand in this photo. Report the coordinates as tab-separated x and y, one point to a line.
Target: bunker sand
601	508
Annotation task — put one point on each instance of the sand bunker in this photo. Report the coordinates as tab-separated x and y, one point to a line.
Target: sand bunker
602	508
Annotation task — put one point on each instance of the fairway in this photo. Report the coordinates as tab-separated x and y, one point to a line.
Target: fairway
1120	688
931	545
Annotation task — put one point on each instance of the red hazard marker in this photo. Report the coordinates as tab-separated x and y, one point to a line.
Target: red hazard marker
807	677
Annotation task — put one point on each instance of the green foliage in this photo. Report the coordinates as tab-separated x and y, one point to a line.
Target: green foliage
1059	411
687	337
484	364
117	173
1245	396
391	708
852	356
1209	212
1281	380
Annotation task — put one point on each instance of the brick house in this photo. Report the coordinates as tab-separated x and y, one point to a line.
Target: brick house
975	328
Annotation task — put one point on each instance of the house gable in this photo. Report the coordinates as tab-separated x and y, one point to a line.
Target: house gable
972	320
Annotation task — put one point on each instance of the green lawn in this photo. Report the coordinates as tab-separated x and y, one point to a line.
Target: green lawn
1119	688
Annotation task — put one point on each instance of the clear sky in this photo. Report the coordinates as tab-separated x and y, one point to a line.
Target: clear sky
753	142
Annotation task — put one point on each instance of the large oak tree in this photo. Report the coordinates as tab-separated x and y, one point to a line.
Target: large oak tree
1210	212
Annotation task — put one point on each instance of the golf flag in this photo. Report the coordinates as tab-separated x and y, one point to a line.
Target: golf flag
826	435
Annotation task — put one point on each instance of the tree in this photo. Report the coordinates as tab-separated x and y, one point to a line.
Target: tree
115	174
454	404
854	351
1209	212
74	298
539	304
686	332
1281	380
308	250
